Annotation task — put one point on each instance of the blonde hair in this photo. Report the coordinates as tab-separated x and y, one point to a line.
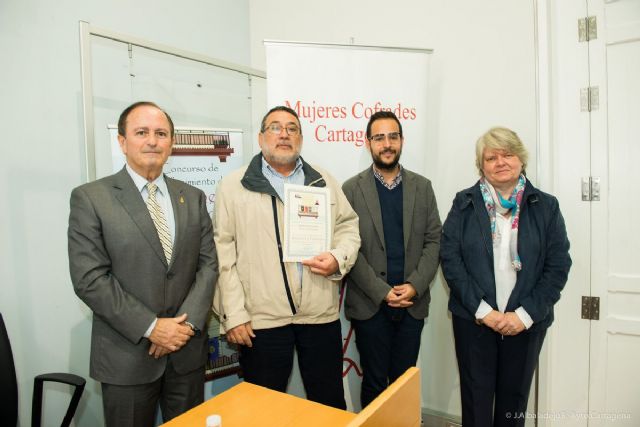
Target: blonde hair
503	139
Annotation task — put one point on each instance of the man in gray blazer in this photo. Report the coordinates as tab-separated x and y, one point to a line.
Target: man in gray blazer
142	257
388	288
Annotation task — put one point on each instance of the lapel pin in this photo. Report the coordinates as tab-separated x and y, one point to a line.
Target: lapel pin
181	199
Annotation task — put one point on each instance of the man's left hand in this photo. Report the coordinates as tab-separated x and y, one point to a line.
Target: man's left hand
171	332
324	264
158	351
404	293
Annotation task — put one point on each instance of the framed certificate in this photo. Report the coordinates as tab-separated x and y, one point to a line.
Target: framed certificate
307	222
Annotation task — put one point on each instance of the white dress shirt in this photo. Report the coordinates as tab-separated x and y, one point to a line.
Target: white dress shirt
505	275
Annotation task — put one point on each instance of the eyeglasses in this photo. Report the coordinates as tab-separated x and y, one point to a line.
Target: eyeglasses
393	137
276	129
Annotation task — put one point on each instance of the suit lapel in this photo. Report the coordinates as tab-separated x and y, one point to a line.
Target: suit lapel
131	200
408	201
179	214
483	220
370	193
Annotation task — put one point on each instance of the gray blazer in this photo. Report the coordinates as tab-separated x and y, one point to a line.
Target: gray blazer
366	285
119	270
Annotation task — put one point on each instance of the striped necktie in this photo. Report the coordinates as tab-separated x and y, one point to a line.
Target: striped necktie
159	220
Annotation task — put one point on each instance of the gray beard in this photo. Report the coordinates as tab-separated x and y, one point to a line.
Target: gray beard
282	160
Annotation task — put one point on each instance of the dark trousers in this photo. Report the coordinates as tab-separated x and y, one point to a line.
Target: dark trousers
388	344
135	405
495	373
269	361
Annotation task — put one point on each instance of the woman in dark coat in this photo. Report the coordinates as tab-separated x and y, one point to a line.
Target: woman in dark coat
505	256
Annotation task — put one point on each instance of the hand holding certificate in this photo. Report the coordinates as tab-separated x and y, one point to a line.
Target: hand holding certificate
324	264
307	223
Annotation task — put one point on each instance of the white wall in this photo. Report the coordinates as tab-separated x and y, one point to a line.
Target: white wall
482	75
42	160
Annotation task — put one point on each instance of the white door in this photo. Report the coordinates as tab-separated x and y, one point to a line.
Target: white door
614	66
592	372
564	363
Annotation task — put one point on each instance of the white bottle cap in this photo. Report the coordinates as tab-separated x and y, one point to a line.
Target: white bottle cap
214	421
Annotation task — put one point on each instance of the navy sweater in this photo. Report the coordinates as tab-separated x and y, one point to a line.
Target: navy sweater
391	207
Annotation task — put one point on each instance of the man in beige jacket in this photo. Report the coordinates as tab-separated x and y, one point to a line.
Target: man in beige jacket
267	306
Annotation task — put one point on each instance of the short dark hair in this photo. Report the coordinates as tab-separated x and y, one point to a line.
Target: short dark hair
379	115
122	121
291	111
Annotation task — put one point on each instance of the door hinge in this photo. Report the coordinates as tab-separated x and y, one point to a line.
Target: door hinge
591	189
589	98
591	308
587	29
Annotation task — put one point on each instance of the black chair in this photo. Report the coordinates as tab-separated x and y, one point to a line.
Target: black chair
9	387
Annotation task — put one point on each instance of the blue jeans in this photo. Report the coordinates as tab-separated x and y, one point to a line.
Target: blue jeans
388	344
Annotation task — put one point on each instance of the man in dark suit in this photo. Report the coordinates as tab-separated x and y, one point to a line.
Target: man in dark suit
142	257
388	288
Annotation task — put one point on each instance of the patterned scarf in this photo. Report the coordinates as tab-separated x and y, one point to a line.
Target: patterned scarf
491	196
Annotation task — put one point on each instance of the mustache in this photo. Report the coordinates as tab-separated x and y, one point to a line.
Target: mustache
388	150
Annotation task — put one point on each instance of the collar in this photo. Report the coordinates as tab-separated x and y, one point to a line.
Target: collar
141	182
254	180
473	193
394	183
266	167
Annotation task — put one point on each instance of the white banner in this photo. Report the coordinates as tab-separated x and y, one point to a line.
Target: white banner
335	89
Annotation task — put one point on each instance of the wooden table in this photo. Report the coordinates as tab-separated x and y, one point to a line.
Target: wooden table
248	405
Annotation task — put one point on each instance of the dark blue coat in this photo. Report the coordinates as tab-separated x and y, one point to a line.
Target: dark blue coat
466	252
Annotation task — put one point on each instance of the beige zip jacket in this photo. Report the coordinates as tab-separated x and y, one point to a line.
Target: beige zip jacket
251	286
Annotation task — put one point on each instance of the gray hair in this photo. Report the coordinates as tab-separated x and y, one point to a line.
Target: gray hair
502	139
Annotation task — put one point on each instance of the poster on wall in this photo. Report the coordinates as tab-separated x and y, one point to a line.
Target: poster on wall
335	89
199	157
223	358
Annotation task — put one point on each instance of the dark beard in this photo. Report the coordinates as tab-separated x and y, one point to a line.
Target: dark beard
386	166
